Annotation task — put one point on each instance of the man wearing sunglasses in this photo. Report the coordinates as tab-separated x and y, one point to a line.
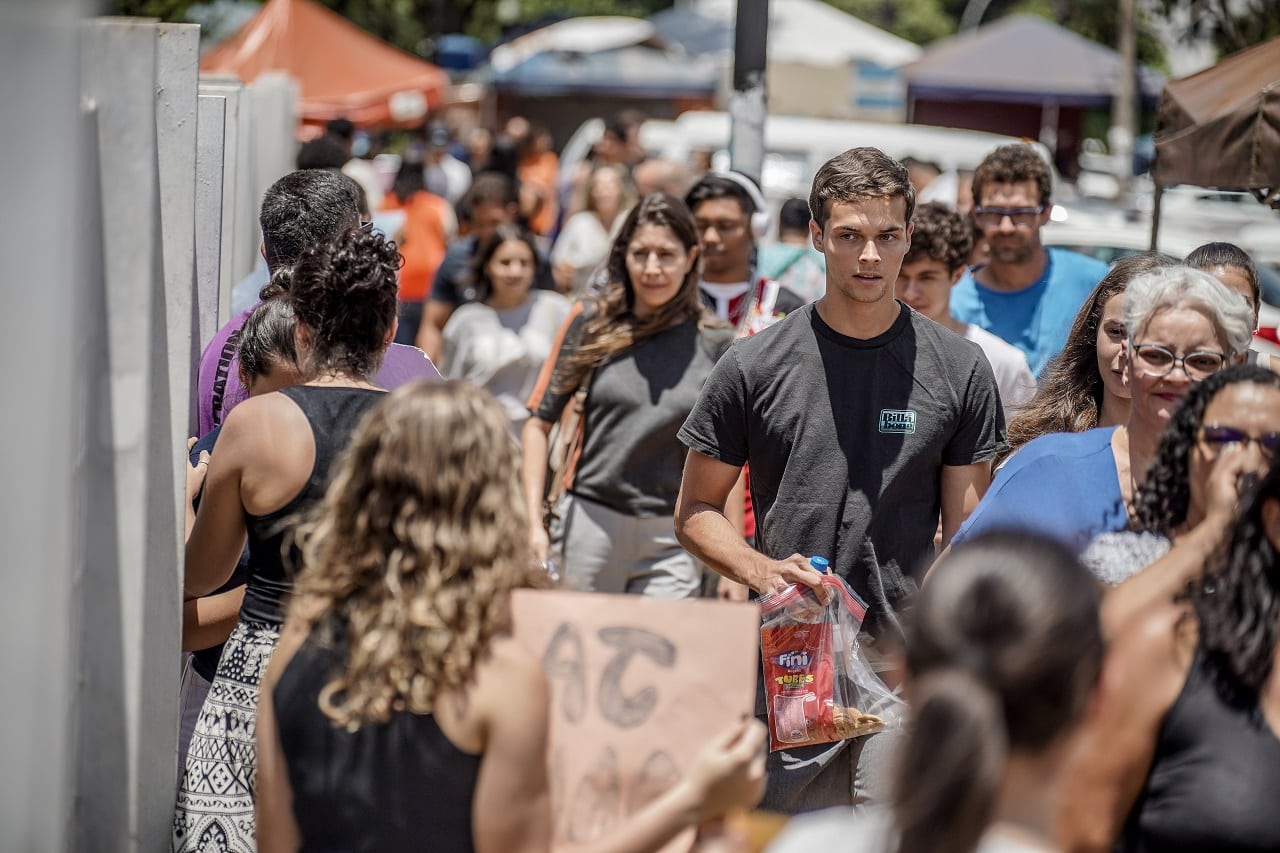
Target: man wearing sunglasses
1027	294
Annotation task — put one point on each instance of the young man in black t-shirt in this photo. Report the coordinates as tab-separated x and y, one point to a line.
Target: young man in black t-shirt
862	421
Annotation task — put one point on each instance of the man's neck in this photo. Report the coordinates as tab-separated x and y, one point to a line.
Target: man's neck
732	277
1011	278
860	320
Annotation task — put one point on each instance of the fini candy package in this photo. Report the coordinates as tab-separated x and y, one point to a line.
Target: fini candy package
819	686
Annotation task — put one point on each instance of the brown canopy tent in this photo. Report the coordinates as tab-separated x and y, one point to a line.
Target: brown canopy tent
1220	128
342	71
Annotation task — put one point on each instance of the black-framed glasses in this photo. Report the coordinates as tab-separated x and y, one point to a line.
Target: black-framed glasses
1219	436
991	217
366	224
1198	365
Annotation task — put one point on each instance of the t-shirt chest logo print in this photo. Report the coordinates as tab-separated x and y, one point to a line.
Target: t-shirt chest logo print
897	421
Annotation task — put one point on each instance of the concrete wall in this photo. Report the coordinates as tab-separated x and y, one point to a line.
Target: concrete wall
116	255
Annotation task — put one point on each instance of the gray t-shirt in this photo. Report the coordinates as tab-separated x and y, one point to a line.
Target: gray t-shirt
847	439
631	459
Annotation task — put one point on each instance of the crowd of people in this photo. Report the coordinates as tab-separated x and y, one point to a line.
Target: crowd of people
1052	482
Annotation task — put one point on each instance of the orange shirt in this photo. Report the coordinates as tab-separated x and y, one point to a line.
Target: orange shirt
541	171
423	245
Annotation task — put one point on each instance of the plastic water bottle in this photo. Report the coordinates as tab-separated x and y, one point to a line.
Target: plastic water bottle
821	564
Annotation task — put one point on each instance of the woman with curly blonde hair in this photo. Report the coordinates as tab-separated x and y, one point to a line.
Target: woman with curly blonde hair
398	712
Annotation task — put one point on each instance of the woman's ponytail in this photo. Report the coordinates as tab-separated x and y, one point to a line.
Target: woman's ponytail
950	768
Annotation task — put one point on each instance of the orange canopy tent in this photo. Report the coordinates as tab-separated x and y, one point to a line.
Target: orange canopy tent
342	71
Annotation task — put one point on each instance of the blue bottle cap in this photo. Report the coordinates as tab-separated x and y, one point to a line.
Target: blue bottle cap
819	563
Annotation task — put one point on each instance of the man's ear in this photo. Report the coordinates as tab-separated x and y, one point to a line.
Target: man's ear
911	229
262	249
957	274
815	236
391	333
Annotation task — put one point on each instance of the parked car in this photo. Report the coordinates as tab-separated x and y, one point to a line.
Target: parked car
795	146
1108	243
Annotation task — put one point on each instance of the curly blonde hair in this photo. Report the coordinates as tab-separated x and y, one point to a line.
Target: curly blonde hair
409	561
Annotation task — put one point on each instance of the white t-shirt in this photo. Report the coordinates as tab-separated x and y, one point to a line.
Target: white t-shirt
503	351
1013	375
724	294
584	245
870	830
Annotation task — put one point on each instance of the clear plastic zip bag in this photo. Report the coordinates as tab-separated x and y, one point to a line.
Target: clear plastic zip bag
819	685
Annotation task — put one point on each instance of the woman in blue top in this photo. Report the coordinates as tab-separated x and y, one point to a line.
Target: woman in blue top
1183	326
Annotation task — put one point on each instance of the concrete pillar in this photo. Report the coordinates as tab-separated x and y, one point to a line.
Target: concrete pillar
42	441
232	264
210	183
130	596
273	99
176	132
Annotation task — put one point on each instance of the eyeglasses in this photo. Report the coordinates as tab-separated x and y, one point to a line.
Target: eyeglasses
366	224
991	217
1218	436
1197	365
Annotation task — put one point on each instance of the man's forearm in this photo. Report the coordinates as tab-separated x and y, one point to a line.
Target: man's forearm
706	533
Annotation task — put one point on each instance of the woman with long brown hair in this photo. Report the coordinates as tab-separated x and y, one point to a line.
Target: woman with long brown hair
1084	387
642	351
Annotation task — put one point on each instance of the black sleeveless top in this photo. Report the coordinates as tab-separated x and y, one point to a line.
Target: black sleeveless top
1215	777
400	785
333	414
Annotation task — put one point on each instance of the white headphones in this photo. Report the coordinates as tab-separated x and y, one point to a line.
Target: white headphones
760	218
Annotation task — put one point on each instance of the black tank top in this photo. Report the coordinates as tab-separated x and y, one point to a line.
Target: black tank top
1215	777
399	785
333	414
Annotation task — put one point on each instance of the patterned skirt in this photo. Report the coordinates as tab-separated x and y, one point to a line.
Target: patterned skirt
214	812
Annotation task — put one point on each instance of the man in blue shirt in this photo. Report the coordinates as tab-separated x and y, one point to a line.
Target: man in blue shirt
1026	294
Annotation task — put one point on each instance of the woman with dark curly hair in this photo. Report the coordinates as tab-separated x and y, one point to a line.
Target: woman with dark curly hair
398	713
1183	750
1083	387
1189	497
642	351
273	460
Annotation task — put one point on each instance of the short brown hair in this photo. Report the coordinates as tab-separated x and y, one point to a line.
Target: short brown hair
1011	164
941	234
856	175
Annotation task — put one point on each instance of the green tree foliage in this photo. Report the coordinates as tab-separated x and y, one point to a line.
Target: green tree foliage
165	10
920	21
1232	25
1094	19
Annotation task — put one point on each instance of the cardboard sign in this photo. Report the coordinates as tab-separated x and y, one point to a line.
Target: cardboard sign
638	686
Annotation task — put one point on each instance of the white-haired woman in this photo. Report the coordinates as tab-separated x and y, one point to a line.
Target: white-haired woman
1183	326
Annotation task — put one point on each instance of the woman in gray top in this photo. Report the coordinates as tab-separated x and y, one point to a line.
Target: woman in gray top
643	351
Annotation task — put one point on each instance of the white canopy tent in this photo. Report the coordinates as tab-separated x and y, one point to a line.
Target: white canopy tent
822	62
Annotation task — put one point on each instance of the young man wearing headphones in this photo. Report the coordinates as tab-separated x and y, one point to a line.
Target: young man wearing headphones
732	215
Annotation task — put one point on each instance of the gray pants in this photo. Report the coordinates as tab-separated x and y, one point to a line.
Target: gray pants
608	551
856	773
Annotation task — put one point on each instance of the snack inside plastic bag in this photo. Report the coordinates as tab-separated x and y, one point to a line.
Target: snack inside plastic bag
819	685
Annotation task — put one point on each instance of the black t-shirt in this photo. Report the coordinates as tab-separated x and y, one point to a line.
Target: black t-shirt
449	286
846	440
632	460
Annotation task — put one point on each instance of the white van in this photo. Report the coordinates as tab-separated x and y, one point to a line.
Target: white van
796	146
